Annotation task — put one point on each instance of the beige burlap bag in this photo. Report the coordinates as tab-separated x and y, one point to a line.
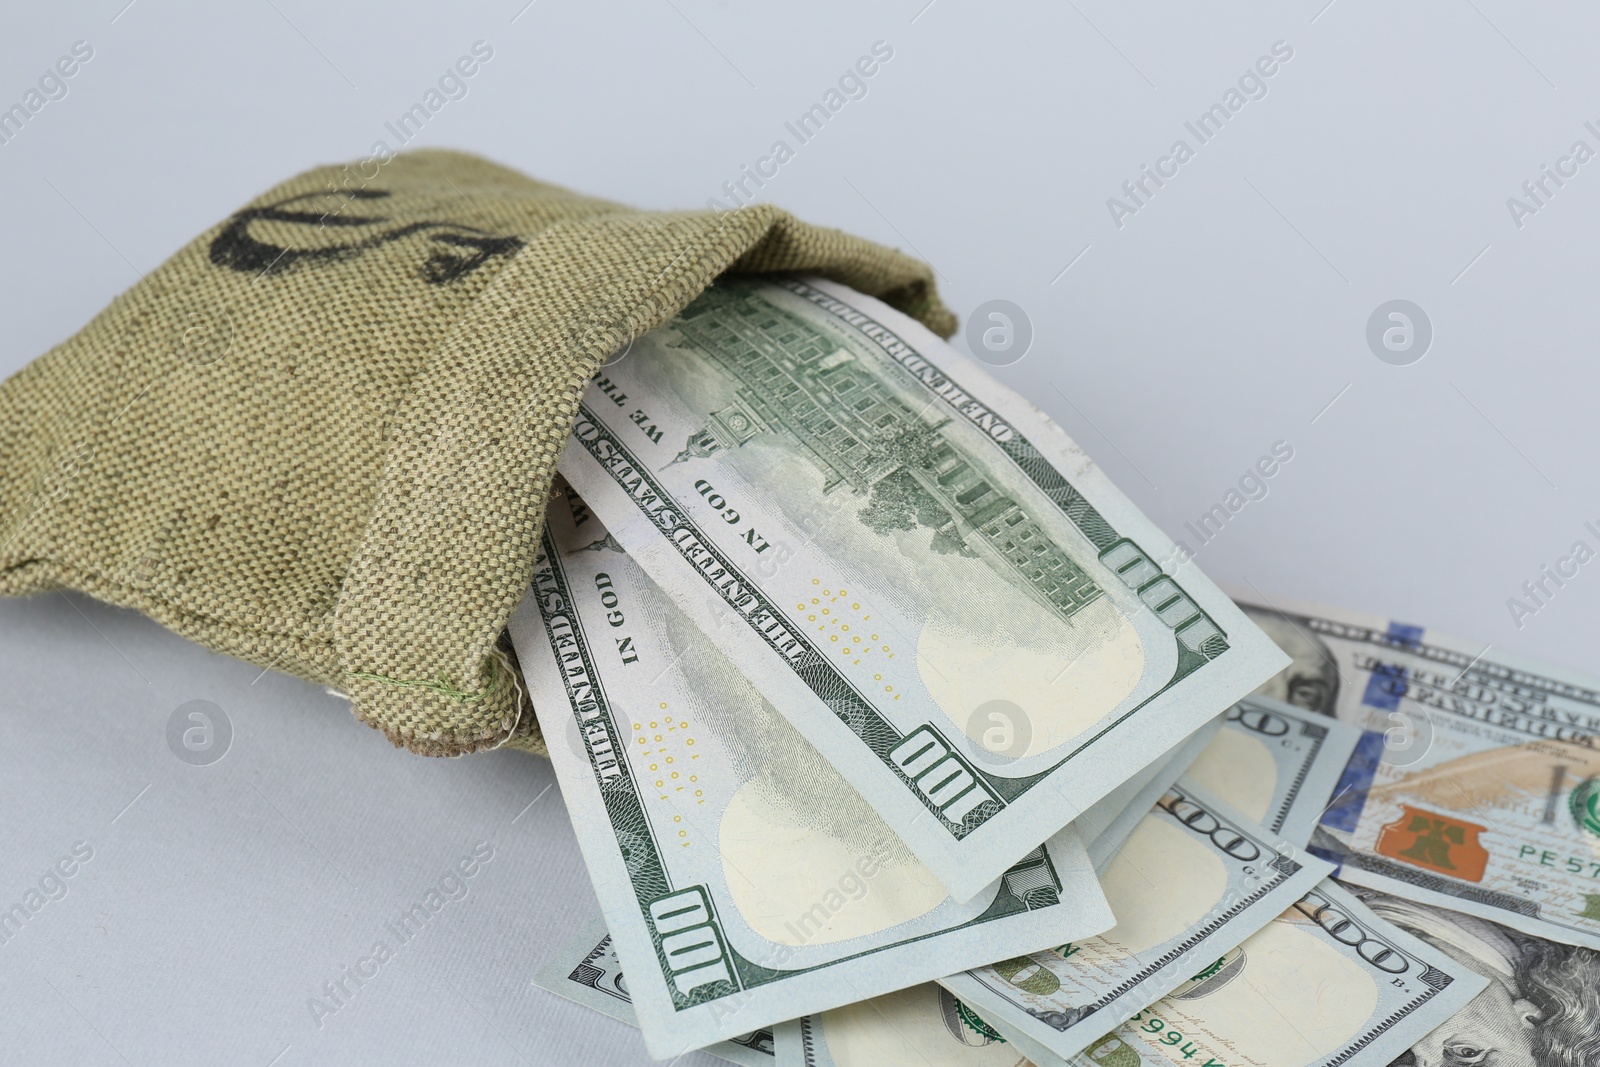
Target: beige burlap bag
320	437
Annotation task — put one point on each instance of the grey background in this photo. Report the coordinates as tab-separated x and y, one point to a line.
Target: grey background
1228	314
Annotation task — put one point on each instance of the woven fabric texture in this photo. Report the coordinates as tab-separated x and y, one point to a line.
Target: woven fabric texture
320	437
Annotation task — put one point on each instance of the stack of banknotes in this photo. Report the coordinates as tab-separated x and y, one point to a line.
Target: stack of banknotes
893	733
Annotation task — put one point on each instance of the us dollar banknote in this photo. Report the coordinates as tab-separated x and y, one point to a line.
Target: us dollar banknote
1540	1007
1276	764
1106	826
1476	783
1193	881
743	881
924	1026
1326	984
586	970
900	548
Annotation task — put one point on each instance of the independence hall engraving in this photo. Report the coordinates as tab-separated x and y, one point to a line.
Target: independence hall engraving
795	379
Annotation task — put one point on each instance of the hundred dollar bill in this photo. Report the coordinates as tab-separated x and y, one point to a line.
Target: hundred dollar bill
1107	825
1540	1008
586	970
742	880
924	1026
1193	881
898	547
1326	984
1276	764
1476	784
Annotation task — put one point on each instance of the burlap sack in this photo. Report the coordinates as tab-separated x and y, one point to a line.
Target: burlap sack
320	437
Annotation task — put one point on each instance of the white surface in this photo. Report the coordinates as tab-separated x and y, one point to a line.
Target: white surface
220	901
1222	318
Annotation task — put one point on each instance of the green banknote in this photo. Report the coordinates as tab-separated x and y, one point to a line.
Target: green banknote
1329	983
1326	984
1193	881
743	881
1541	1007
1476	783
1276	764
586	970
1107	825
928	578
924	1026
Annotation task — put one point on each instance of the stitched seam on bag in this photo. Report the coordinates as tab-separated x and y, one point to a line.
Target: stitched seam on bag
441	684
75	577
120	594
